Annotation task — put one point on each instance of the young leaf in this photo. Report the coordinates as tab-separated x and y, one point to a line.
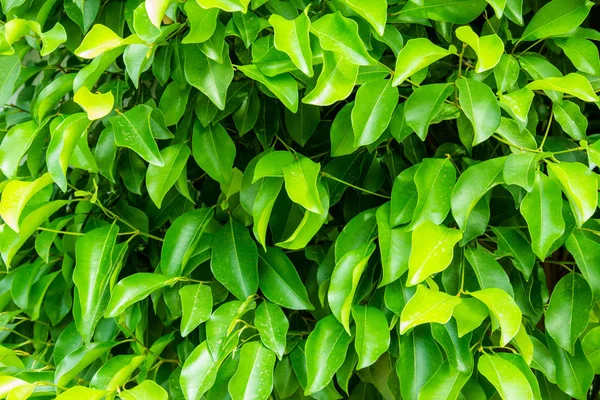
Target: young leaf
427	306
505	376
431	251
488	48
292	38
503	309
480	106
416	55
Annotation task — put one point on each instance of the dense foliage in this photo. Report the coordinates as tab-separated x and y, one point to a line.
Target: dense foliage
255	199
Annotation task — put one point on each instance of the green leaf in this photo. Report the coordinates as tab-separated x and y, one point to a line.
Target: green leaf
156	10
91	276
96	106
456	12
574	373
76	361
16	195
134	288
203	22
159	180
457	348
423	105
214	151
506	73
431	251
336	81
181	240
556	18
293	39
590	344
196	303
12	241
77	392
568	313
572	84
581	187
14	146
279	280
416	55
145	390
488	48
133	130
394	247
344	281
234	260
100	39
226	5
542	210
420	359
434	181
374	13
446	383
325	353
512	242
207	75
570	118
341	133
472	185
283	86
63	143
469	314
340	35
480	106
427	306
489	272
504	311
301	179
173	102
272	325
582	53
508	380
372	112
11	65
263	207
302	124
372	335
254	376
586	252
199	372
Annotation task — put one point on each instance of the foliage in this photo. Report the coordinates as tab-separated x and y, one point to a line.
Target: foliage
255	199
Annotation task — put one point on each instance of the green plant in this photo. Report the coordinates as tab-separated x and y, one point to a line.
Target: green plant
279	199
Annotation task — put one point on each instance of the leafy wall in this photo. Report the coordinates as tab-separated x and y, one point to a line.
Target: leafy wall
255	199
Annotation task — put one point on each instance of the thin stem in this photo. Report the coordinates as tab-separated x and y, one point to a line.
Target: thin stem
498	138
326	175
60	232
547	130
568	151
530	47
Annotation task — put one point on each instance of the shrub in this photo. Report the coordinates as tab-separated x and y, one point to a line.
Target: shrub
278	199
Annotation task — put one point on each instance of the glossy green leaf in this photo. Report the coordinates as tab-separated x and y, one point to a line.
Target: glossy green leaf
542	209
160	179
214	151
372	112
431	251
556	18
579	185
336	81
133	130
480	106
234	260
325	352
423	105
292	38
488	48
503	309
254	376
134	288
416	55
272	325
568	313
196	303
372	334
505	376
427	306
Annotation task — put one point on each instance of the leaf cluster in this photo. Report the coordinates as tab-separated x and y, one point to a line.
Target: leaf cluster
290	199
